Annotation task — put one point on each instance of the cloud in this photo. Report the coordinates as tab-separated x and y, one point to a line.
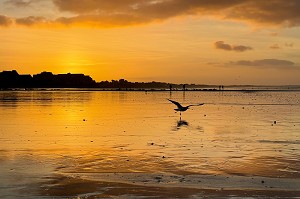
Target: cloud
132	12
26	21
115	20
289	45
18	3
105	13
275	47
222	45
274	34
267	63
238	48
154	8
241	48
272	12
31	20
5	21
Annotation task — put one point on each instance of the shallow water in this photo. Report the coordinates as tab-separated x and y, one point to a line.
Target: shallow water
84	134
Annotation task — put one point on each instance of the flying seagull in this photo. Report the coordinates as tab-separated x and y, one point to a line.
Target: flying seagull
183	108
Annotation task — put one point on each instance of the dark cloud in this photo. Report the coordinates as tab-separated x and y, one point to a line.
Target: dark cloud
156	8
133	12
228	47
5	21
222	45
241	48
111	13
275	12
267	63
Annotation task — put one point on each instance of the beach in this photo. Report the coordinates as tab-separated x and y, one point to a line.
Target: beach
91	144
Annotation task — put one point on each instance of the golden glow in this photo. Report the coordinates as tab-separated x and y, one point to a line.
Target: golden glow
178	51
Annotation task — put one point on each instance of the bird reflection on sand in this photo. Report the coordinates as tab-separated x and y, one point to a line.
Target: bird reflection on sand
181	123
185	125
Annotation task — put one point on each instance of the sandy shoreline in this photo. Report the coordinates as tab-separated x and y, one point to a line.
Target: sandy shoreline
157	185
194	181
141	185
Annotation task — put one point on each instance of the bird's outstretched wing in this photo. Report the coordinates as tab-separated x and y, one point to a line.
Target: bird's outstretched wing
176	103
196	104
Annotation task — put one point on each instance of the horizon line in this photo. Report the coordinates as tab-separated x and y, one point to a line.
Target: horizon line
152	81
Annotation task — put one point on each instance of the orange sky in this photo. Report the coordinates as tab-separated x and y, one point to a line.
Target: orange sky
179	41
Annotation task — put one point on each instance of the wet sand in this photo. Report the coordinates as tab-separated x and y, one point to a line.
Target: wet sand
132	145
162	186
37	174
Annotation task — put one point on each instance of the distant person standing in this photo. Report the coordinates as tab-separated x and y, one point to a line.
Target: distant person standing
170	87
183	87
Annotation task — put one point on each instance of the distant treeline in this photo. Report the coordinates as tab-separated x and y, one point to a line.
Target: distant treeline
11	79
122	83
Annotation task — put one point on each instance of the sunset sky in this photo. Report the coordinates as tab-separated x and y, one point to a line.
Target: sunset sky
178	41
